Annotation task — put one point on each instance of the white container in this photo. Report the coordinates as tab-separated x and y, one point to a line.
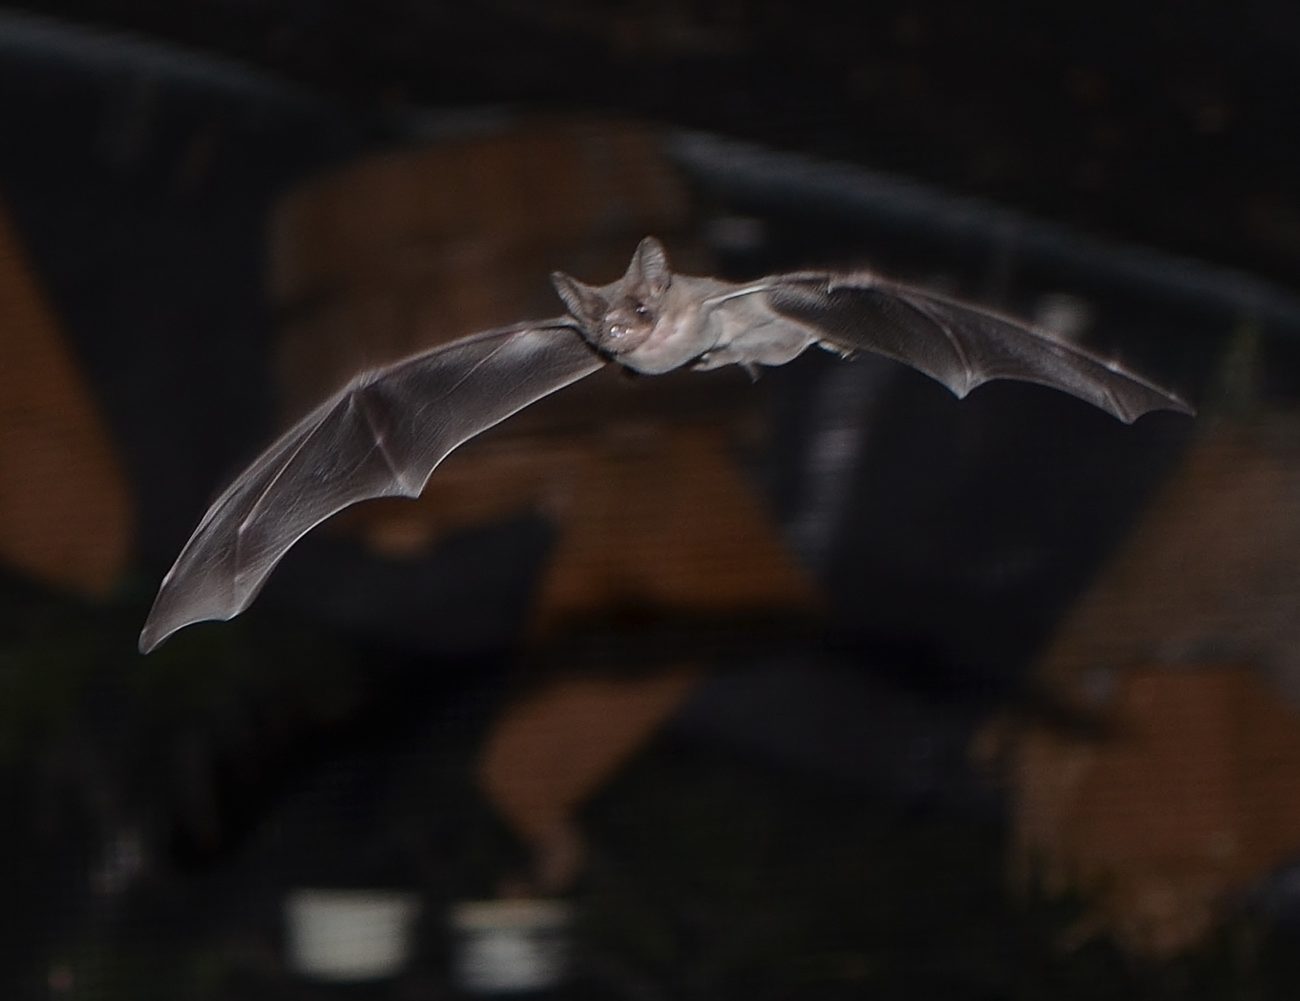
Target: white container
504	946
349	935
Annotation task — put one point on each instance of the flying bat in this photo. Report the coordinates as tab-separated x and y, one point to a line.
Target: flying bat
384	433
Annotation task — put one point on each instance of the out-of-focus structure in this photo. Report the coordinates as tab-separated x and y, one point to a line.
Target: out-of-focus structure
568	669
66	515
1184	797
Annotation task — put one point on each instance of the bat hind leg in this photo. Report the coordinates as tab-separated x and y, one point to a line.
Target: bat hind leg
716	359
766	344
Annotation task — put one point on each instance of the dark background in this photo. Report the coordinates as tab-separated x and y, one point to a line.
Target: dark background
1164	124
1142	155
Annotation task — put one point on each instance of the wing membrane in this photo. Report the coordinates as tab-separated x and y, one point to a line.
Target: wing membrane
961	346
381	436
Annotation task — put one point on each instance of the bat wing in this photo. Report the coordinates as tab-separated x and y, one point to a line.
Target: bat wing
381	436
960	345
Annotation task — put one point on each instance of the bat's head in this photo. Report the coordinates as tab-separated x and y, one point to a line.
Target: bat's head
620	317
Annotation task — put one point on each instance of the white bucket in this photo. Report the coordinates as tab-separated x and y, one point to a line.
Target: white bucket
349	935
510	945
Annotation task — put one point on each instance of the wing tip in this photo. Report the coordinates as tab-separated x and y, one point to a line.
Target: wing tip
158	630
159	626
150	638
176	608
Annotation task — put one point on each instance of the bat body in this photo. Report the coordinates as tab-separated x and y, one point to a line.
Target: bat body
386	431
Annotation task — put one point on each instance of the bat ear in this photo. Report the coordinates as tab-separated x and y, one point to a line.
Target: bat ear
583	301
649	270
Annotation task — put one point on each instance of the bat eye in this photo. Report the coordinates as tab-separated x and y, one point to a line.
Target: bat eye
641	309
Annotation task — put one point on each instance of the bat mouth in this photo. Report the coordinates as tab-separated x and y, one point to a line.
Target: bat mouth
620	338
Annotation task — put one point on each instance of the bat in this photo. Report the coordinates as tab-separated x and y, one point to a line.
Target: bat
384	433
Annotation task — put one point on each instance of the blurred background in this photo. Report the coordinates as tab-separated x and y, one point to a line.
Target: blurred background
827	685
